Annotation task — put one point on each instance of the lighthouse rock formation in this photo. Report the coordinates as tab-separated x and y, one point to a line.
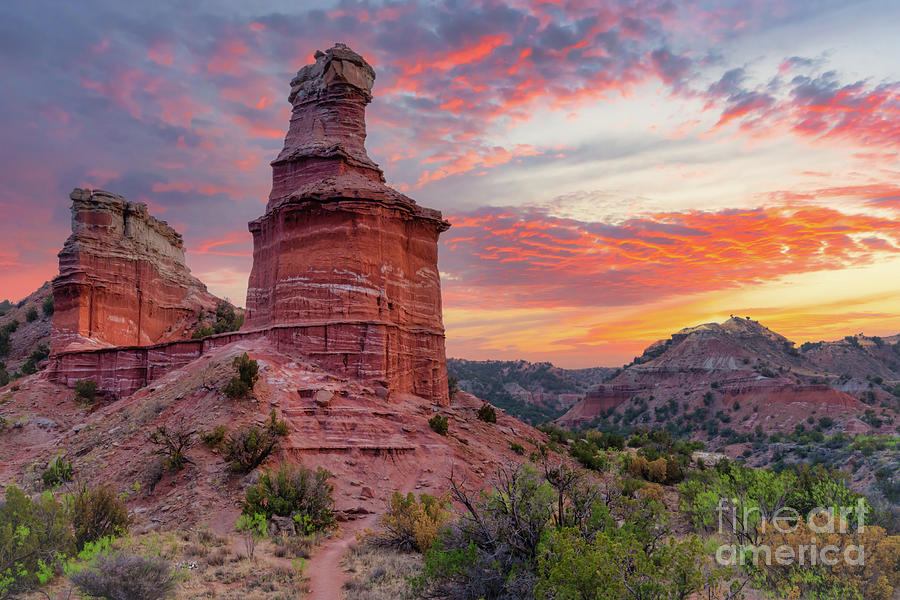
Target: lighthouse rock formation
344	267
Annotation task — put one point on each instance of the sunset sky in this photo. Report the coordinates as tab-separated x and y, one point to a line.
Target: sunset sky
613	171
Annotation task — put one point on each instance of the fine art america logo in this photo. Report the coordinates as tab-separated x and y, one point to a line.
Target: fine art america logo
784	537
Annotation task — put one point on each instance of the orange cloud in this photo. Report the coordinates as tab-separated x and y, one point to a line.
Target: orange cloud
524	257
217	246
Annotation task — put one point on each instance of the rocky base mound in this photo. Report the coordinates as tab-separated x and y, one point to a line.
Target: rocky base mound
374	443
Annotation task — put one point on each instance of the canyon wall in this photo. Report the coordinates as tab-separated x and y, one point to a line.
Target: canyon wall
122	278
349	263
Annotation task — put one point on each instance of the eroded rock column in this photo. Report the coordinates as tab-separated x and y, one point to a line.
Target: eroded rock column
344	264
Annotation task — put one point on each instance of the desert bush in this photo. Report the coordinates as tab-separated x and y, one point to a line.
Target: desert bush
226	318
35	536
630	486
172	444
759	494
656	470
296	492
606	441
637	466
439	424
615	564
86	391
517	448
413	525
248	447
875	578
254	528
674	471
294	546
587	454
556	433
491	551
48	306
650	491
58	471
487	413
516	544
122	576
31	315
97	513
214	438
202	331
278	426
242	384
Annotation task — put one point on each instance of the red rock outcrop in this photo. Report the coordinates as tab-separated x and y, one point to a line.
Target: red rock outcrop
343	260
122	278
739	366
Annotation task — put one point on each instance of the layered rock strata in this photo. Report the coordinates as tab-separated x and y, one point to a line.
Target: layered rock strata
122	278
349	264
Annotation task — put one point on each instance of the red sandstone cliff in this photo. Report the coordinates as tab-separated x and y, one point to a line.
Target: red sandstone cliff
122	278
344	261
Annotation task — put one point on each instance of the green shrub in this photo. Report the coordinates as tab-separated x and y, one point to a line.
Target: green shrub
96	514
255	528
202	331
242	384
487	413
248	447
124	576
606	441
35	537
86	391
214	438
278	427
296	492
517	448
452	385
439	424
556	433
31	314
413	525
616	564
226	318
587	454
58	471
48	306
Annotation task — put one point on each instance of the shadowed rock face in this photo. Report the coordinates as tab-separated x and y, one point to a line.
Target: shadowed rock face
348	262
122	278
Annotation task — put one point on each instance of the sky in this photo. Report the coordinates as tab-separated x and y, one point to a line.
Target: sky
613	171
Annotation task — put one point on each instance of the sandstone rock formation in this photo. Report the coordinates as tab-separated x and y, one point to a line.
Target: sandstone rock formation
122	278
344	265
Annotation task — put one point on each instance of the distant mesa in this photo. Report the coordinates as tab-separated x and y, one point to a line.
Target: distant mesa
344	267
